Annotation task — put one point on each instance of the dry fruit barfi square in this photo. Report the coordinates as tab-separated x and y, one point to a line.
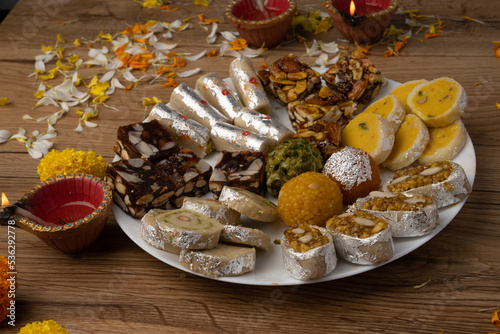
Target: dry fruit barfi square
189	173
148	140
288	79
139	186
244	169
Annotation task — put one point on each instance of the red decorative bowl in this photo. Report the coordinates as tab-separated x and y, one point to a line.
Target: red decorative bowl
255	27
67	212
368	24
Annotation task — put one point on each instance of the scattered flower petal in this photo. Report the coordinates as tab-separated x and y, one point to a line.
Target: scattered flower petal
4	136
189	73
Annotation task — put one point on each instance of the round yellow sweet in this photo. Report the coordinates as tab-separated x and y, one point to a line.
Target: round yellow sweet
439	102
390	109
411	140
310	198
402	91
371	133
445	143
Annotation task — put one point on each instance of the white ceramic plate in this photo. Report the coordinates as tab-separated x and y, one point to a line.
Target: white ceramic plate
269	269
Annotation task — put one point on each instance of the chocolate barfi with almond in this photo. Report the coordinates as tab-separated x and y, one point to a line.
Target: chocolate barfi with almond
139	186
240	169
145	140
189	173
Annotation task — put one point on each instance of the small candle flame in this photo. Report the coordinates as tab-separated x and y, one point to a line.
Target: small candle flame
5	201
352	9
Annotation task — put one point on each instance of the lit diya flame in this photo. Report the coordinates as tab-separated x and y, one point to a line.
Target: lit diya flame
352	8
5	201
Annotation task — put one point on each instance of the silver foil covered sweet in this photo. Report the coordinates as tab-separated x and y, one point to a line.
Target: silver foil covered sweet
186	101
248	85
444	193
245	236
262	124
376	249
221	261
176	238
213	209
217	93
185	131
229	137
404	223
314	263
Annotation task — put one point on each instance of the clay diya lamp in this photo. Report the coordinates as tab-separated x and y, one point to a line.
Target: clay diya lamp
361	21
67	212
261	25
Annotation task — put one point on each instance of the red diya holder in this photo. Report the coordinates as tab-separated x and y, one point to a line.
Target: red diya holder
67	212
361	21
261	28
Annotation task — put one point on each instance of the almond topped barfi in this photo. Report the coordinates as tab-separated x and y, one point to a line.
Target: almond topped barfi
308	251
288	79
361	238
445	181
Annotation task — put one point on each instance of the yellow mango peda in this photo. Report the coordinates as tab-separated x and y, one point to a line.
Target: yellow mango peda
445	143
389	108
411	140
402	91
371	133
439	102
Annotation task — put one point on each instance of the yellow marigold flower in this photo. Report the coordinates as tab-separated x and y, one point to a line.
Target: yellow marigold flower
46	327
71	161
5	286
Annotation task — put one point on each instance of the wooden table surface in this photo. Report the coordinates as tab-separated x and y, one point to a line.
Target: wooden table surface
115	287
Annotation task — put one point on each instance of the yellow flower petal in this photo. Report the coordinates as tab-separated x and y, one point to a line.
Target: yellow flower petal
99	88
39	94
77	42
64	67
150	100
151	3
204	3
47	48
101	98
4	101
93	81
60	40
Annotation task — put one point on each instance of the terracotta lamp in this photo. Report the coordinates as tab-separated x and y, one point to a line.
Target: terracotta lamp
361	21
261	22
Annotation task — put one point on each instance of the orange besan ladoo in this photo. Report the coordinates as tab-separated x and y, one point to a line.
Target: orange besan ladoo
354	171
310	198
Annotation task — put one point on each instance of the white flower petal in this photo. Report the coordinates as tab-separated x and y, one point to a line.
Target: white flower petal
314	50
79	128
90	124
198	56
107	76
164	46
329	47
128	75
4	136
45	101
28	117
251	53
35	153
213	35
230	36
189	73
115	82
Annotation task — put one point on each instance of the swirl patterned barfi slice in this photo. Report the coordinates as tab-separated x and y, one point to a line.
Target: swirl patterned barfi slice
181	229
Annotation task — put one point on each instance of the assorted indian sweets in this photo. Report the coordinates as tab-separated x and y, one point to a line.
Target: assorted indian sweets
329	160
